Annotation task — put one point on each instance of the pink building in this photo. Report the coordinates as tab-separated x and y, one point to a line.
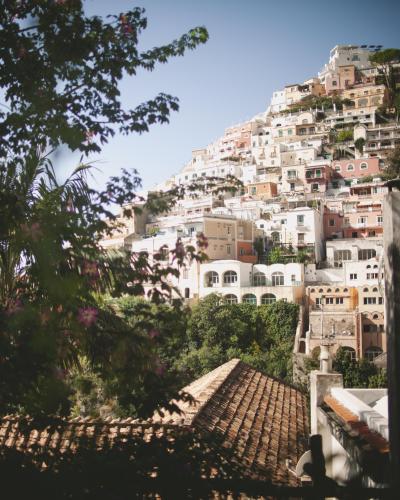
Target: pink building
355	169
333	219
362	219
317	178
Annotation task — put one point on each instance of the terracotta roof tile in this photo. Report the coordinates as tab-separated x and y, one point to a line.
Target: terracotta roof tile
261	421
358	427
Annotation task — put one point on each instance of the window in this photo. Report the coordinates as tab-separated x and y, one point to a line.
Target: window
228	229
231	299
211	278
290	131
341	255
259	279
300	238
335	184
249	298
331	222
276	237
253	190
353	276
334	83
300	220
277	279
339	300
329	300
293	278
292	174
371	234
350	167
268	298
370	328
363	166
241	251
185	274
362	220
230	277
369	300
228	249
187	293
379	220
283	221
280	132
372	352
380	300
354	234
366	253
337	168
292	186
351	351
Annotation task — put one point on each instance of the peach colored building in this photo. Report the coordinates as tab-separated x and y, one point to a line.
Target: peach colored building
354	169
263	190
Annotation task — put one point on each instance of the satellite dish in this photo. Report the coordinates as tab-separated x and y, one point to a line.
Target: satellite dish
303	460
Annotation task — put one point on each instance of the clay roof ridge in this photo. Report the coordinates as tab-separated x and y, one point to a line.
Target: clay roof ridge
216	380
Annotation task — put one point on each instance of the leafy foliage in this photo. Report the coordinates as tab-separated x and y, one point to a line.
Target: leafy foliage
262	336
358	373
61	71
59	340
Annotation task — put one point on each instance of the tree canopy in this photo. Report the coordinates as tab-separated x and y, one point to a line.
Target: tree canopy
61	71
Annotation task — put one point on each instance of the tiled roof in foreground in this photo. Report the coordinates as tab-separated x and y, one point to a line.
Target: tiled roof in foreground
260	421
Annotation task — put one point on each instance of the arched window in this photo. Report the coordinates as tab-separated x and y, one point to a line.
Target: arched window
278	279
337	168
345	290
365	290
376	266
312	290
374	289
350	167
363	166
276	237
372	352
211	279
375	316
350	350
337	290
231	299
249	298
369	266
268	298
329	290
259	279
321	290
230	277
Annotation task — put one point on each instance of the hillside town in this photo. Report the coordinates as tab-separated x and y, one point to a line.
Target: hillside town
306	224
232	331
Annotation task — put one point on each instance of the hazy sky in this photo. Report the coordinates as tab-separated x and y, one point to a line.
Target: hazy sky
255	47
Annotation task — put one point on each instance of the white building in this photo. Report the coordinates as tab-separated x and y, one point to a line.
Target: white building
300	228
255	284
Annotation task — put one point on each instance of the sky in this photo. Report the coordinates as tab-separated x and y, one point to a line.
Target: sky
255	47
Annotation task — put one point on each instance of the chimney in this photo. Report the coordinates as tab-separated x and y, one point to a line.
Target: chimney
321	383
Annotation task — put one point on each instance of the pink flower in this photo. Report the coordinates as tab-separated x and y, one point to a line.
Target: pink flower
13	306
202	241
153	333
87	315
